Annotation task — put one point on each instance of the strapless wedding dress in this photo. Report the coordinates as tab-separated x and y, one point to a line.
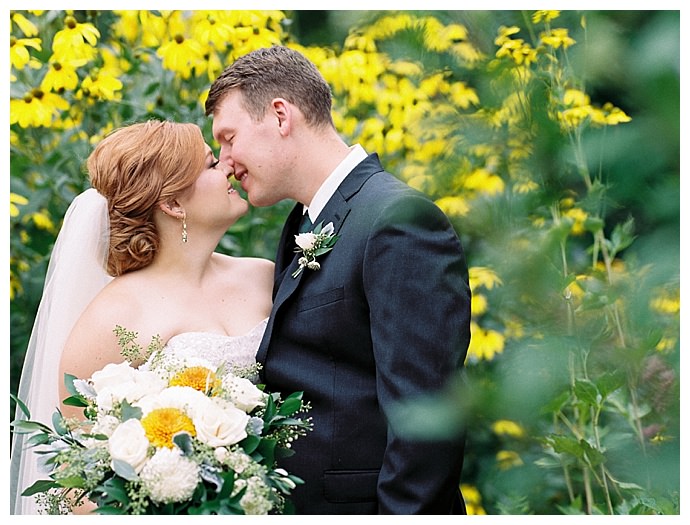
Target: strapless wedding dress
218	349
232	351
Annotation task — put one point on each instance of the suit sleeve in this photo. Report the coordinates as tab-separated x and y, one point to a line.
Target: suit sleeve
415	280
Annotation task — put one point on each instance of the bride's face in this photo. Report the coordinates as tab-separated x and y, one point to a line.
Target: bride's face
212	199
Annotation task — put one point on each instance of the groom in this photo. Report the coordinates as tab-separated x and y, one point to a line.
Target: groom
383	318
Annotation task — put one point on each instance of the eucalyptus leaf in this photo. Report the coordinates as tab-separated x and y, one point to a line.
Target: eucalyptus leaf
22	406
26	427
124	470
129	411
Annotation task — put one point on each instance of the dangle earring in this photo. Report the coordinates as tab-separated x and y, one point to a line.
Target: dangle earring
184	227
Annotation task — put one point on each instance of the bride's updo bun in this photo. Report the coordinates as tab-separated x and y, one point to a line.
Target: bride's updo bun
135	168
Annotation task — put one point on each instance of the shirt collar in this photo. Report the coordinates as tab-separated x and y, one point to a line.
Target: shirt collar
356	155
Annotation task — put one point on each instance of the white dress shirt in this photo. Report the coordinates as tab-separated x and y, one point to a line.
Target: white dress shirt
327	189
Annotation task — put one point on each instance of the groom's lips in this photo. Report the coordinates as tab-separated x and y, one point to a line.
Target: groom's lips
240	178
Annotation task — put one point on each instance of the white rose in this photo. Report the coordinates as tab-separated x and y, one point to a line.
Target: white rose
305	240
112	375
129	444
243	393
220	424
132	388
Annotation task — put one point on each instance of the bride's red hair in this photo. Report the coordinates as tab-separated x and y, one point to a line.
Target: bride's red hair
135	168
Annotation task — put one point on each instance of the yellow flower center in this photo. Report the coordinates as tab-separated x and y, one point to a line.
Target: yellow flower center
162	424
197	377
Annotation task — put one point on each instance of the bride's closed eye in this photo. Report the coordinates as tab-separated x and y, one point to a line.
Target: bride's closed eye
214	164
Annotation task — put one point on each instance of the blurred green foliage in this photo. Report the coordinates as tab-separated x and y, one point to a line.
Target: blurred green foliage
552	141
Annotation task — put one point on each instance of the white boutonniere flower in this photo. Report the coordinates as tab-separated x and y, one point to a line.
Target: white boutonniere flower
312	244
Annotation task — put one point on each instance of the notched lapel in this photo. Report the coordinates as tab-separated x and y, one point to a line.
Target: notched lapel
335	211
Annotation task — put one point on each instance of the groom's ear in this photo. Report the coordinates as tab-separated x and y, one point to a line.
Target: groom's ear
172	208
281	110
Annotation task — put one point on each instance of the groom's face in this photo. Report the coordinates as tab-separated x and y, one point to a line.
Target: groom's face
252	148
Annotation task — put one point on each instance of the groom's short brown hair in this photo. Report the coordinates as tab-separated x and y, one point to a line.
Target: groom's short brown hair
268	73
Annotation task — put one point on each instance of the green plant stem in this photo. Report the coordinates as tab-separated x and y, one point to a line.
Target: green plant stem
595	413
588	489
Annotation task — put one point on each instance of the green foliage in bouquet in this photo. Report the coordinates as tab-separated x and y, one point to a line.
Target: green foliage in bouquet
171	437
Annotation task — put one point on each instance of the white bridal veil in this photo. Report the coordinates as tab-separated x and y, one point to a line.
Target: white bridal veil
76	273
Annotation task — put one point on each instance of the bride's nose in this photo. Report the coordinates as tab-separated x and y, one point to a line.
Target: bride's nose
229	169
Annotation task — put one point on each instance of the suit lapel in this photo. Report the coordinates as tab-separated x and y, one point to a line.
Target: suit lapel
286	246
335	211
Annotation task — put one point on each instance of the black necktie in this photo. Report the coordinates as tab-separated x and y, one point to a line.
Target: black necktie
306	223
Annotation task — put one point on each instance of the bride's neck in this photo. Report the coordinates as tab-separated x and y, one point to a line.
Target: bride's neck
189	261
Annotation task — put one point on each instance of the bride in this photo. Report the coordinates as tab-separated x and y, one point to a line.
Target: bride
137	250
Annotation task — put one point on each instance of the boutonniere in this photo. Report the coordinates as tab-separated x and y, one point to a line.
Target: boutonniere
312	244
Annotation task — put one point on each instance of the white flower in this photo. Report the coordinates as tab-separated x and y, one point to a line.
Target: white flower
169	476
105	425
112	375
220	424
255	500
239	461
312	245
305	241
184	398
128	443
221	454
115	383
243	393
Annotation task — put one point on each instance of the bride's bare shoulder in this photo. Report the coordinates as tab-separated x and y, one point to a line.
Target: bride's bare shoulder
119	302
252	269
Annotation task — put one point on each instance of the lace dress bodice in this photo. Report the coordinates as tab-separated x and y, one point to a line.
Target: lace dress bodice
219	349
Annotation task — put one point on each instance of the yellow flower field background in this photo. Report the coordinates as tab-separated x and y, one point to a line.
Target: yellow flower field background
550	139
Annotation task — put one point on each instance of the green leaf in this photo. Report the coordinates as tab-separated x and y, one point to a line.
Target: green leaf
41	485
594	457
22	406
609	383
184	441
27	427
130	412
38	439
266	451
124	470
113	490
289	406
250	443
59	424
271	409
622	236
75	401
69	384
71	482
587	392
565	445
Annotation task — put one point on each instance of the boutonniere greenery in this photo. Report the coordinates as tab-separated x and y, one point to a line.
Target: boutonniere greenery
312	244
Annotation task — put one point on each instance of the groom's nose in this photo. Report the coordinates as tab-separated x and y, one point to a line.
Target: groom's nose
224	157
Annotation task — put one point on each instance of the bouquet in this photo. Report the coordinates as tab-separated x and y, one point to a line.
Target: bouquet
173	436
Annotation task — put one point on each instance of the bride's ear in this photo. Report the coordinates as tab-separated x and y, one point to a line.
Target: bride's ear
172	208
